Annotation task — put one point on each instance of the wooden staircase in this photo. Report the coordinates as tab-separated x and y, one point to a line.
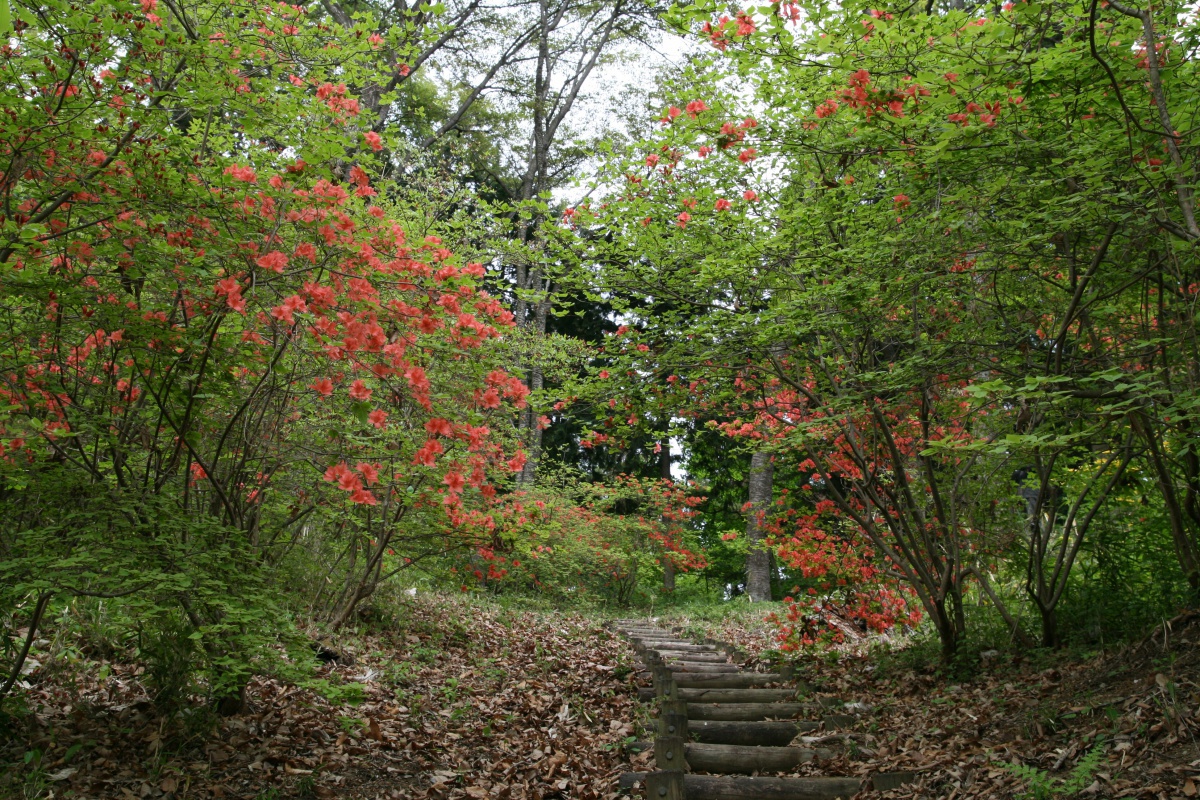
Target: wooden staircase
720	726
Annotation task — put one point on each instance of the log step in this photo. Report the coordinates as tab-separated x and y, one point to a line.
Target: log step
689	647
726	759
741	680
712	670
645	629
737	695
689	655
757	734
646	694
748	711
732	759
700	787
697	666
720	787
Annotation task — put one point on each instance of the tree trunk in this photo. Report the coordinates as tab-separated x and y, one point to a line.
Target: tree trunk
758	559
1186	549
35	619
664	471
1050	626
948	631
1014	627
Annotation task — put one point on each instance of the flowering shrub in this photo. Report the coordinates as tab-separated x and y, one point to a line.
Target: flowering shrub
216	335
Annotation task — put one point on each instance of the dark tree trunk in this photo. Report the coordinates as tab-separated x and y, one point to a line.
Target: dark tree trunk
949	633
1050	627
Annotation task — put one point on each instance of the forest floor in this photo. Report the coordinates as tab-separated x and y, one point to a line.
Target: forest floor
462	699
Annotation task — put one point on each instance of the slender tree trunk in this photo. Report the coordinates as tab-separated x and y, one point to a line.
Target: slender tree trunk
1013	626
664	465
533	437
668	575
758	559
35	619
1186	549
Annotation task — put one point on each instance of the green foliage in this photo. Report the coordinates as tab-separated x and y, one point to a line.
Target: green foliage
338	693
595	543
169	652
909	272
1043	786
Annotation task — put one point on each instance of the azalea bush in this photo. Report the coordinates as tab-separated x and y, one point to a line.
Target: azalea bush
218	341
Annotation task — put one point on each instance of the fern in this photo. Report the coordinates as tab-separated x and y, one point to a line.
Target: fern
1042	786
1081	776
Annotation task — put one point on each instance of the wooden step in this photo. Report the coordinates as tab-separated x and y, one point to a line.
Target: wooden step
687	655
693	666
704	787
739	759
732	759
738	680
698	665
668	644
657	636
737	695
750	734
686	786
773	709
747	711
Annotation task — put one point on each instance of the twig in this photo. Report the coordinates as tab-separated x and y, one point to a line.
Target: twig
38	611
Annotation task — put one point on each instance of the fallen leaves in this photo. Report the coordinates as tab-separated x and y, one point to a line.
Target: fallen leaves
465	701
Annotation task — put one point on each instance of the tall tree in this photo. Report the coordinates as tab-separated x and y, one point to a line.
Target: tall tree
758	558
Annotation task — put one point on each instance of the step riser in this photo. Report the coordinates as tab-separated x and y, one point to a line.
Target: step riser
732	681
675	644
737	695
879	782
725	759
684	655
713	787
747	712
756	734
